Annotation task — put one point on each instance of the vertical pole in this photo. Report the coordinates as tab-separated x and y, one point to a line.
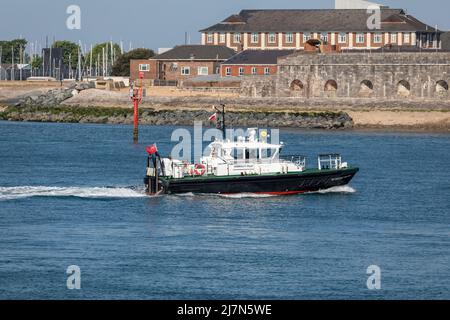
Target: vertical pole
12	64
223	121
1	53
90	63
103	61
43	62
136	118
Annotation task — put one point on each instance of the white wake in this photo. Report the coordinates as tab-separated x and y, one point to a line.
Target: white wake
340	189
12	193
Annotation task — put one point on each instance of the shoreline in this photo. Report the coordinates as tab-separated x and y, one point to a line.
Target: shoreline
171	106
413	129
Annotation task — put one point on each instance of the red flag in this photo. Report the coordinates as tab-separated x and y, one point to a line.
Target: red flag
151	150
213	117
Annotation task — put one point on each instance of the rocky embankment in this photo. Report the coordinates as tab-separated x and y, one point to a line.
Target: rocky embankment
49	107
55	96
73	114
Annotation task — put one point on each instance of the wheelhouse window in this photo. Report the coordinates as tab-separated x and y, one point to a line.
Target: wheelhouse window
360	38
144	67
289	37
255	37
202	71
272	37
342	37
185	71
378	38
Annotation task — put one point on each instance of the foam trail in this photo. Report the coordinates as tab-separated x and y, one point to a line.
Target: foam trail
12	193
246	195
340	189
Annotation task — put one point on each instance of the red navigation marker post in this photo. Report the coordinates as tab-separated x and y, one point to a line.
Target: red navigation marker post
136	97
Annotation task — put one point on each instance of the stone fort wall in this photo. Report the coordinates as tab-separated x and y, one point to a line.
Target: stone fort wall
356	75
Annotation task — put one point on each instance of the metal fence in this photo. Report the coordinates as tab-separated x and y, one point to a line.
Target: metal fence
165	83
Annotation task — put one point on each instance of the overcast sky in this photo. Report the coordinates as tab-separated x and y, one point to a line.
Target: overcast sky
156	23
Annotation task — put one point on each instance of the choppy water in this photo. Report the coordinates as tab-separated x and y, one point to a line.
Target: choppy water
71	194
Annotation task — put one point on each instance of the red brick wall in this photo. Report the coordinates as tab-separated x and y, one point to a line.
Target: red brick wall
271	45
168	73
163	70
286	44
250	44
134	69
247	70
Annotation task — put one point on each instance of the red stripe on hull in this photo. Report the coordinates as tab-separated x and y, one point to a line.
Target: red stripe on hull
281	193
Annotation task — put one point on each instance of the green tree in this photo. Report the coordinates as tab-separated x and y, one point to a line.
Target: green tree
6	47
37	62
122	65
70	52
97	53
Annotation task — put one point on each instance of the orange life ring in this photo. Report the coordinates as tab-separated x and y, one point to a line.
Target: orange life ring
202	169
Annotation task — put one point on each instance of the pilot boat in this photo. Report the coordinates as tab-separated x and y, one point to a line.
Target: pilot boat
247	165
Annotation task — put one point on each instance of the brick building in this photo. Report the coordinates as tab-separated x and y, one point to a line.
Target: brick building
346	28
181	63
253	62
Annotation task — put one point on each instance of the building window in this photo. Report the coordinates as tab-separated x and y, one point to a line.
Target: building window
241	71
378	38
255	37
324	37
272	38
342	37
237	38
210	38
228	71
289	37
266	71
202	71
144	67
222	38
406	37
393	38
185	71
306	37
360	38
254	71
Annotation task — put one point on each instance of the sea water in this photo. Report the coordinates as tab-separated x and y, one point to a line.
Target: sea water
72	194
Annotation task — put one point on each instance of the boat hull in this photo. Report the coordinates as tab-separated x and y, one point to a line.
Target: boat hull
280	184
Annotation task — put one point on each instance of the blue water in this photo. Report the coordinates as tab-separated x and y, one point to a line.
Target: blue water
71	194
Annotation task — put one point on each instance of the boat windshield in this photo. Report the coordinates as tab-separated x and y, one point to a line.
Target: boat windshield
254	154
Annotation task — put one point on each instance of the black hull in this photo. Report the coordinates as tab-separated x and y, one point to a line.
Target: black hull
282	184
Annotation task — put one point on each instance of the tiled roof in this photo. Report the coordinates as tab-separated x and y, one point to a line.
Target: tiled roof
316	20
255	57
196	52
